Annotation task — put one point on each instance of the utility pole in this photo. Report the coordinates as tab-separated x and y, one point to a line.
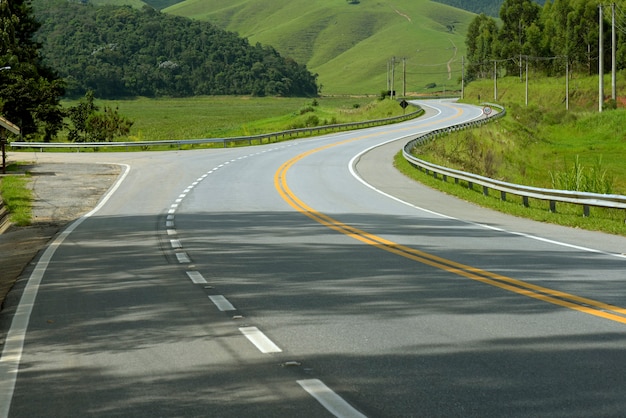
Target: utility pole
526	81
403	77
462	77
566	83
613	54
601	63
388	81
495	80
393	76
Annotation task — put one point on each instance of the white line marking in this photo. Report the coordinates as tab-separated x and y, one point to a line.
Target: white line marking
169	224
196	277
260	340
171	211
176	243
329	399
222	303
183	258
170	217
14	343
353	161
171	232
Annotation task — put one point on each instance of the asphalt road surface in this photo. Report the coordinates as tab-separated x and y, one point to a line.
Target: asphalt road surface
308	279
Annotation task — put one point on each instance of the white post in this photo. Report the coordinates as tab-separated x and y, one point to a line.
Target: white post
601	63
613	54
495	80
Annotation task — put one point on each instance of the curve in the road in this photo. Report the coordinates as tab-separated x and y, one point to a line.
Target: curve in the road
570	301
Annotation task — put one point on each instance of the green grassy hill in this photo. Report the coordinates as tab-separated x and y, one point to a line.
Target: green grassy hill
351	46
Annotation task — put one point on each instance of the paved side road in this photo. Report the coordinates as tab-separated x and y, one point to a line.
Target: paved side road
62	193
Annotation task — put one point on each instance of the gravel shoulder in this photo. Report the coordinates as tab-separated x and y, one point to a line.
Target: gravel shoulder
62	193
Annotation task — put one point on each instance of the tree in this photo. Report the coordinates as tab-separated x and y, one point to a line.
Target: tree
89	125
29	91
517	17
480	41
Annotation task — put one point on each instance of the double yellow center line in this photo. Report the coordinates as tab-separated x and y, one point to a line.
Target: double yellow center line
577	303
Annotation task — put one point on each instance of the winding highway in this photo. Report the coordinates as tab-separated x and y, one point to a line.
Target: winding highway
309	278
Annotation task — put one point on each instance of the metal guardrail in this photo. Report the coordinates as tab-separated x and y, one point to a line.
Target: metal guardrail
270	137
551	195
4	217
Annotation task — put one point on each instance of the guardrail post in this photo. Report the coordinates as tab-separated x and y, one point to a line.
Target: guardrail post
486	190
503	196
525	200
470	185
586	211
552	206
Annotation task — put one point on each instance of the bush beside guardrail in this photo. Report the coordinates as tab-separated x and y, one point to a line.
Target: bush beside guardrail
526	192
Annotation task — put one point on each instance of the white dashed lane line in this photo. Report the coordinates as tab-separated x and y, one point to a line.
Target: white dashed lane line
335	404
196	277
260	340
222	303
183	258
316	388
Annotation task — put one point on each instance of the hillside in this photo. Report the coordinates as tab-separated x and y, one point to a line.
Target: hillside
126	52
351	46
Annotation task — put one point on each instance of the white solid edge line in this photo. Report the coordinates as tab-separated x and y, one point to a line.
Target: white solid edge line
352	163
14	344
222	303
334	403
260	340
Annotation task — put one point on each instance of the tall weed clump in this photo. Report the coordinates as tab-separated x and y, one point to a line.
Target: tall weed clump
581	179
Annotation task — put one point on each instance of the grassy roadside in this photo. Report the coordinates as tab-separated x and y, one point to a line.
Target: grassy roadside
18	197
605	220
542	145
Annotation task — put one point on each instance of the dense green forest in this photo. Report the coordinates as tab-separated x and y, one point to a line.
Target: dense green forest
123	51
562	32
488	7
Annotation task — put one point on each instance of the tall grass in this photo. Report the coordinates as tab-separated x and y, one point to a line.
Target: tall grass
580	178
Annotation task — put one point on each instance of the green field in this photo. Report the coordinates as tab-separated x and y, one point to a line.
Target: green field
230	116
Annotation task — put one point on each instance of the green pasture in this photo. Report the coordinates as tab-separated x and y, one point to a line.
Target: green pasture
230	116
